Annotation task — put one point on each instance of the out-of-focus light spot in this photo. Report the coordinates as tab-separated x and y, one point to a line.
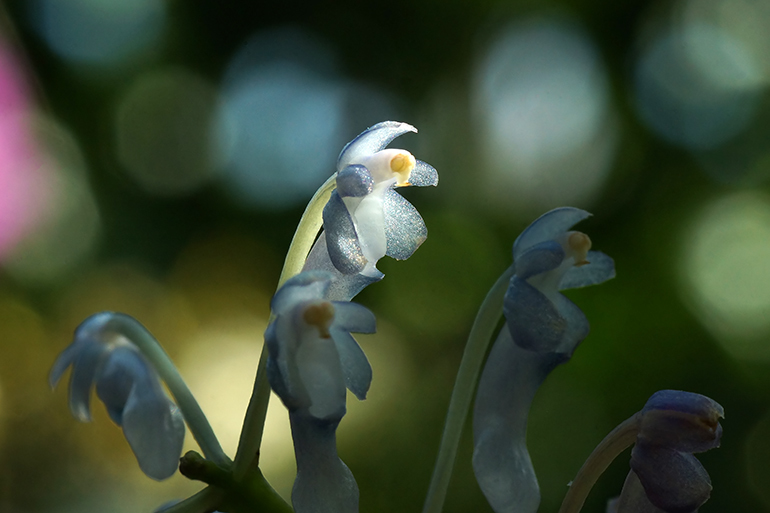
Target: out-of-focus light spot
724	274
23	188
695	85
757	456
746	22
98	31
285	117
69	227
163	128
541	104
220	365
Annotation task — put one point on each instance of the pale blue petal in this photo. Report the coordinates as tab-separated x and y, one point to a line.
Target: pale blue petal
65	359
354	181
324	484
154	428
371	141
343	287
501	461
282	337
353	317
305	286
577	325
542	257
404	228
599	269
423	175
84	368
673	480
355	366
533	320
341	237
121	369
548	226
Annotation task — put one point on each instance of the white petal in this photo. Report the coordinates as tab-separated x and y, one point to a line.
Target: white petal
370	141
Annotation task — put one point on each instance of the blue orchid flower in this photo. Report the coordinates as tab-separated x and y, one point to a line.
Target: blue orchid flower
365	218
665	476
542	330
130	389
313	358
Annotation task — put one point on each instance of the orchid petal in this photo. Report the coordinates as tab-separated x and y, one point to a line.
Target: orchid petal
84	369
353	317
683	421
542	257
673	480
548	226
533	320
423	175
599	269
342	240
122	367
302	287
405	229
370	141
354	181
154	428
355	366
320	372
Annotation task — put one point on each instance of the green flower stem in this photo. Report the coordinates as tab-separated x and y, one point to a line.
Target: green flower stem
255	494
204	501
301	244
608	449
479	339
191	410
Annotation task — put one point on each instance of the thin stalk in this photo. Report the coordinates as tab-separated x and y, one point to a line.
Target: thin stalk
202	502
301	244
479	338
608	449
191	410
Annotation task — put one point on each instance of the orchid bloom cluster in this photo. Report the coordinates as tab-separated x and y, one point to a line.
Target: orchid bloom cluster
311	359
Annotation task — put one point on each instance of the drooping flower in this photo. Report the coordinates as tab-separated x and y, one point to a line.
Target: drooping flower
313	358
365	218
664	473
130	389
542	330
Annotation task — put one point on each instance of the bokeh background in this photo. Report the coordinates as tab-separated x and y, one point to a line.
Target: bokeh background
155	157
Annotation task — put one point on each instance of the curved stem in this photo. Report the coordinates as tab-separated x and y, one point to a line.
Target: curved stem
301	244
191	410
608	449
462	395
202	502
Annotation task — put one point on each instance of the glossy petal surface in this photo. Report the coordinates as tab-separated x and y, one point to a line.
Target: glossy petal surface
342	239
370	141
423	175
405	230
354	181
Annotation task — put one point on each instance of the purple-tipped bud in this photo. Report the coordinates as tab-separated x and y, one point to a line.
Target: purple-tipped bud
673	425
